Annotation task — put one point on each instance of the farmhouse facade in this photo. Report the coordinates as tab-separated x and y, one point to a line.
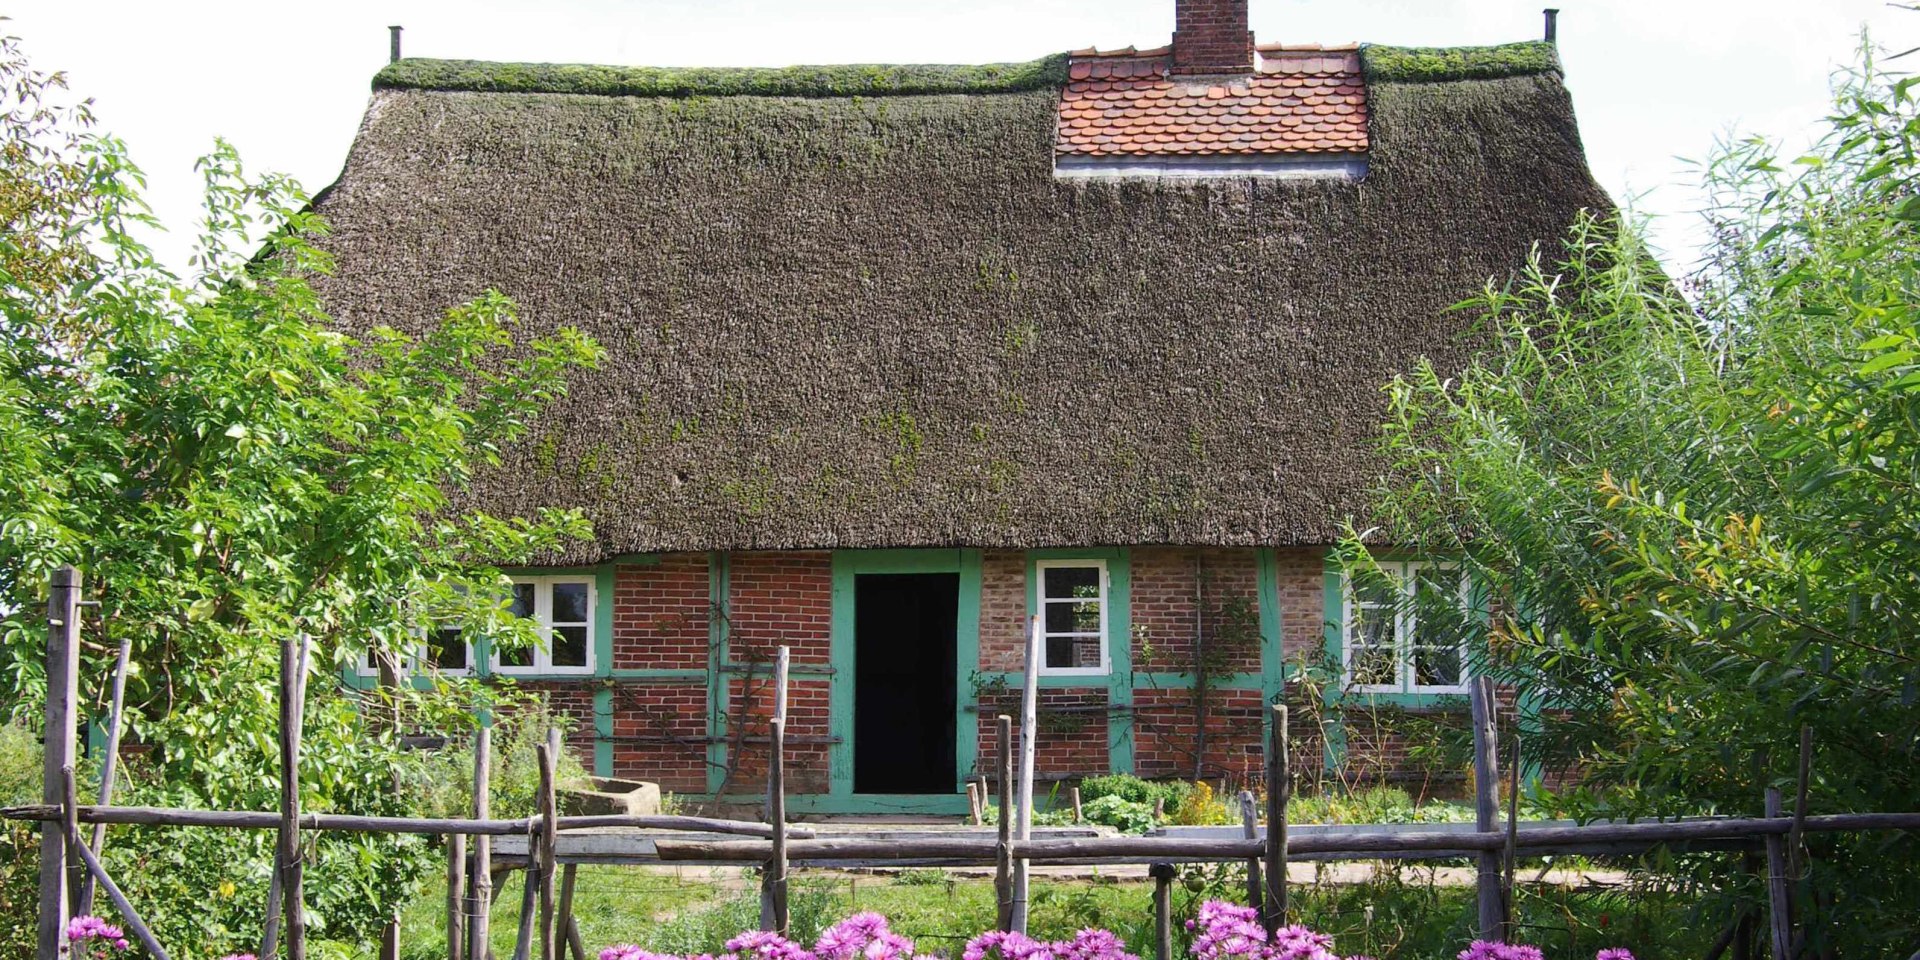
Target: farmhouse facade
900	357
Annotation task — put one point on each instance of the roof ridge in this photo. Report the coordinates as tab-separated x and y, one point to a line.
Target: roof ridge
832	80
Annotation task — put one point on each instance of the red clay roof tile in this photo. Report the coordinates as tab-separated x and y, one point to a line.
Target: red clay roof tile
1303	99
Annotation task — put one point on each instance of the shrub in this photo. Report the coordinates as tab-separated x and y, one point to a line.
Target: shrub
1199	808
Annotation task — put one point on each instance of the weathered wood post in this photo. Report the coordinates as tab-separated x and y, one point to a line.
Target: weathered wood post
1779	913
773	880
1509	854
1279	789
529	899
1003	852
293	688
456	895
63	682
1486	804
549	834
1162	874
479	933
567	923
1074	795
1029	743
973	804
116	710
1250	829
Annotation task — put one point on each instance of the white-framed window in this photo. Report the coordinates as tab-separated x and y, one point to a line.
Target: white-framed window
1387	648
442	650
562	611
1073	598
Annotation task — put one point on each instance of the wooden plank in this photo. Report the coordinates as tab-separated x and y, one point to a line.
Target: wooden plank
480	932
116	710
1003	848
1486	806
1779	913
743	828
1273	913
63	679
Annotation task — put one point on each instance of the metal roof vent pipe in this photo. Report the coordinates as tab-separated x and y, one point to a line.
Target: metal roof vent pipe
393	44
1553	24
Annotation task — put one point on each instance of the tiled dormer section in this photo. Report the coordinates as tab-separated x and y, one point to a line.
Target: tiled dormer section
1303	101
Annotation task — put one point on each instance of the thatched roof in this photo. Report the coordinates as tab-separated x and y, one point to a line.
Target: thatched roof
854	306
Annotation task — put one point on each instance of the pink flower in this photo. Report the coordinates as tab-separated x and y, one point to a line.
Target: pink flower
1614	953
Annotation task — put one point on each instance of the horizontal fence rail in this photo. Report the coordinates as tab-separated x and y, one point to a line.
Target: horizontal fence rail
428	826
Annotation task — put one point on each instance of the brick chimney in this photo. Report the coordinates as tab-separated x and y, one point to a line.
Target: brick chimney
1211	36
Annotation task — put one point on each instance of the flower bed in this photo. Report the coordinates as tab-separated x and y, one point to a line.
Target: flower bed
1222	931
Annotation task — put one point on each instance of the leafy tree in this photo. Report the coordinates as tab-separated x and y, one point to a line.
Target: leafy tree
228	470
1695	511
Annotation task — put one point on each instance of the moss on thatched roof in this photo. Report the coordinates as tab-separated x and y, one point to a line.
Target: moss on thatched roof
838	321
1384	64
843	80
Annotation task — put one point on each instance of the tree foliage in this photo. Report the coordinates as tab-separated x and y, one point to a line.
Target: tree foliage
228	470
1695	510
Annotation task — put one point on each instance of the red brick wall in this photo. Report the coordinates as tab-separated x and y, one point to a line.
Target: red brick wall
1072	723
660	614
659	731
1166	586
781	598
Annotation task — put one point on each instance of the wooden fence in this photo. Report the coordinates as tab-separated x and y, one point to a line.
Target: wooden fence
70	864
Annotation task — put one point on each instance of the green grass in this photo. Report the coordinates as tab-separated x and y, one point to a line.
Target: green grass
1397	915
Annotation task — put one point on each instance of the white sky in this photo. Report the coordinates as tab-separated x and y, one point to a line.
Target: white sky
1653	80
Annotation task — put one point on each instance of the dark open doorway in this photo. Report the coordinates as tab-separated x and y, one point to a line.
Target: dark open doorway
903	677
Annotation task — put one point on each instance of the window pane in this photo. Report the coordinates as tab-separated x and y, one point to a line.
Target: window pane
570	603
1370	628
1081	617
447	650
523	599
1375	667
1436	666
1070	582
1375	591
569	646
522	657
1060	652
1086	652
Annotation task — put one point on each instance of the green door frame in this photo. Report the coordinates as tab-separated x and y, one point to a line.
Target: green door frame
847	565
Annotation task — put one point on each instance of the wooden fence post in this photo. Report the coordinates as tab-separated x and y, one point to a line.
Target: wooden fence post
973	804
1779	914
456	895
293	691
1279	789
549	835
1003	853
479	933
1162	874
63	680
1513	840
773	879
1486	806
97	872
115	724
1029	743
1250	830
567	924
1074	795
